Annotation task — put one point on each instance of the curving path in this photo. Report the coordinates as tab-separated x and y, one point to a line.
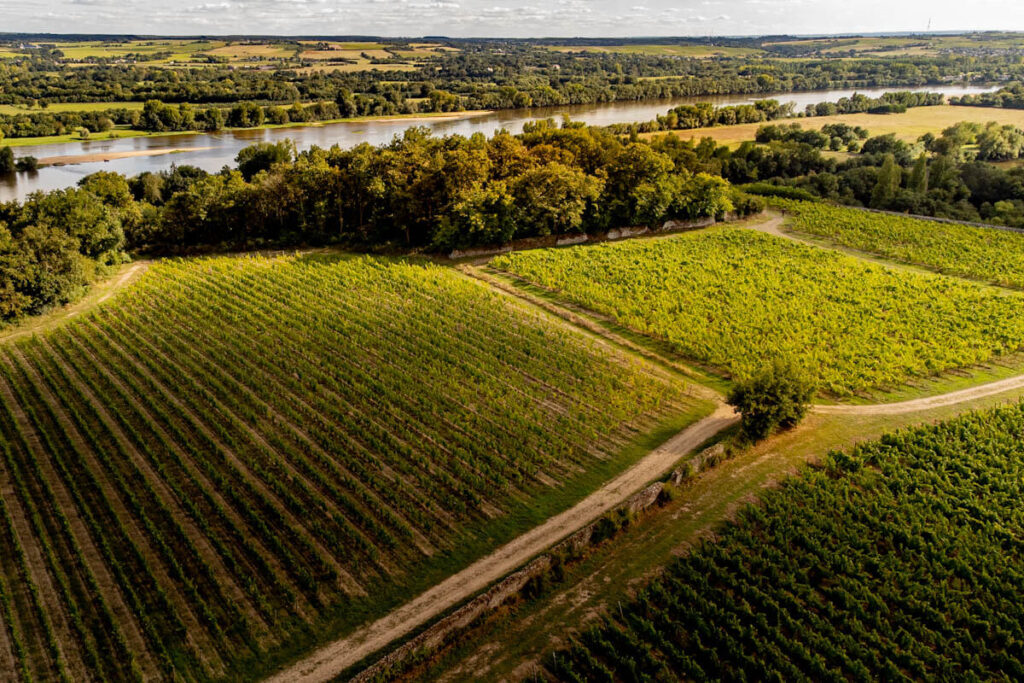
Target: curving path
98	293
332	659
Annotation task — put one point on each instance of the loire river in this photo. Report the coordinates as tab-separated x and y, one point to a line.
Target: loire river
211	151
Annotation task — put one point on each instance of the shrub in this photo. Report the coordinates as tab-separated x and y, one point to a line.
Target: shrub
776	397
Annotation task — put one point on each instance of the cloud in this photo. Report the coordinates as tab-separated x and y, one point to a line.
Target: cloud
505	18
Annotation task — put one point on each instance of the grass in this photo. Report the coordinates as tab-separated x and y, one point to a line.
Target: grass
244	51
908	126
12	109
508	645
115	134
183	403
728	298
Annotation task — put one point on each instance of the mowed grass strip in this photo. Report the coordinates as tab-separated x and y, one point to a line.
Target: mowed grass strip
241	457
733	299
988	254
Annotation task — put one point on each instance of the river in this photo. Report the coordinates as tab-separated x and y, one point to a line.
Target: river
211	151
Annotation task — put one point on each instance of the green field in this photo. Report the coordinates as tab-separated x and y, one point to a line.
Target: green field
987	254
732	298
13	109
899	561
242	456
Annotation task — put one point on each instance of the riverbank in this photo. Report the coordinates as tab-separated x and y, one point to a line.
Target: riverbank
119	132
70	159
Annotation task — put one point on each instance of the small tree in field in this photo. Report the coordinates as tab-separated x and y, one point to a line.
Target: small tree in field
776	397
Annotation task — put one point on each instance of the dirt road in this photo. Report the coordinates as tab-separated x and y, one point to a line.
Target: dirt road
950	399
98	293
330	660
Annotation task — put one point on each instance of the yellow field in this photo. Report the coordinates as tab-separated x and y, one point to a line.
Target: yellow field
181	49
363	65
908	126
898	46
698	51
250	50
345	54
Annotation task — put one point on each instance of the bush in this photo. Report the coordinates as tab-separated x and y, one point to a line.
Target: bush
27	163
776	397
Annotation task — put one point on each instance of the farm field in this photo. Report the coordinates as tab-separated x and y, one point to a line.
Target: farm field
196	490
908	126
512	645
179	49
728	298
988	254
698	51
895	560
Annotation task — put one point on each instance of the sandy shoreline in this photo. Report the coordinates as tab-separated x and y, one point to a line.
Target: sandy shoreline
109	156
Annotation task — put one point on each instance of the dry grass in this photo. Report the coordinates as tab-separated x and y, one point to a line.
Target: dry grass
249	50
698	51
908	126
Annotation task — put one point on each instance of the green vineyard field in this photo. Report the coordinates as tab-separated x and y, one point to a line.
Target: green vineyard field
240	457
732	298
903	560
987	254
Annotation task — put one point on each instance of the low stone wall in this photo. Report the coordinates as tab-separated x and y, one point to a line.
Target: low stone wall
510	587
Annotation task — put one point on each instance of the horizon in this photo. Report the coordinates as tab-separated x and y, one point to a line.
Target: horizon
512	19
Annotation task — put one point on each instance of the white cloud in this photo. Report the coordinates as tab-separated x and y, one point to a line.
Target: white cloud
512	18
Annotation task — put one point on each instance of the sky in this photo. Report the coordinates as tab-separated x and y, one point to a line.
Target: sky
505	18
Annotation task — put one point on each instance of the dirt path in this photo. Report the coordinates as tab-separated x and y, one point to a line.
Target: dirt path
329	661
98	294
950	399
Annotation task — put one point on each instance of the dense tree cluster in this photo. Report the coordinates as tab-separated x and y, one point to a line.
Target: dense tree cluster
43	123
419	191
948	176
54	244
434	192
1008	97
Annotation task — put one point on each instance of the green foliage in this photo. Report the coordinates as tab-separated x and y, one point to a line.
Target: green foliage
6	160
775	397
988	254
263	155
731	297
52	246
897	561
259	449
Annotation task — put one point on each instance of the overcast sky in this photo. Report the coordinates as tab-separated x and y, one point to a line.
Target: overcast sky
513	18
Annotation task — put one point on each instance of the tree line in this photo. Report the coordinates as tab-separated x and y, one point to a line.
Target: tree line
417	192
950	175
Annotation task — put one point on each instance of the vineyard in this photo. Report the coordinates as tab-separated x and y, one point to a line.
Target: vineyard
730	297
241	456
987	254
900	561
